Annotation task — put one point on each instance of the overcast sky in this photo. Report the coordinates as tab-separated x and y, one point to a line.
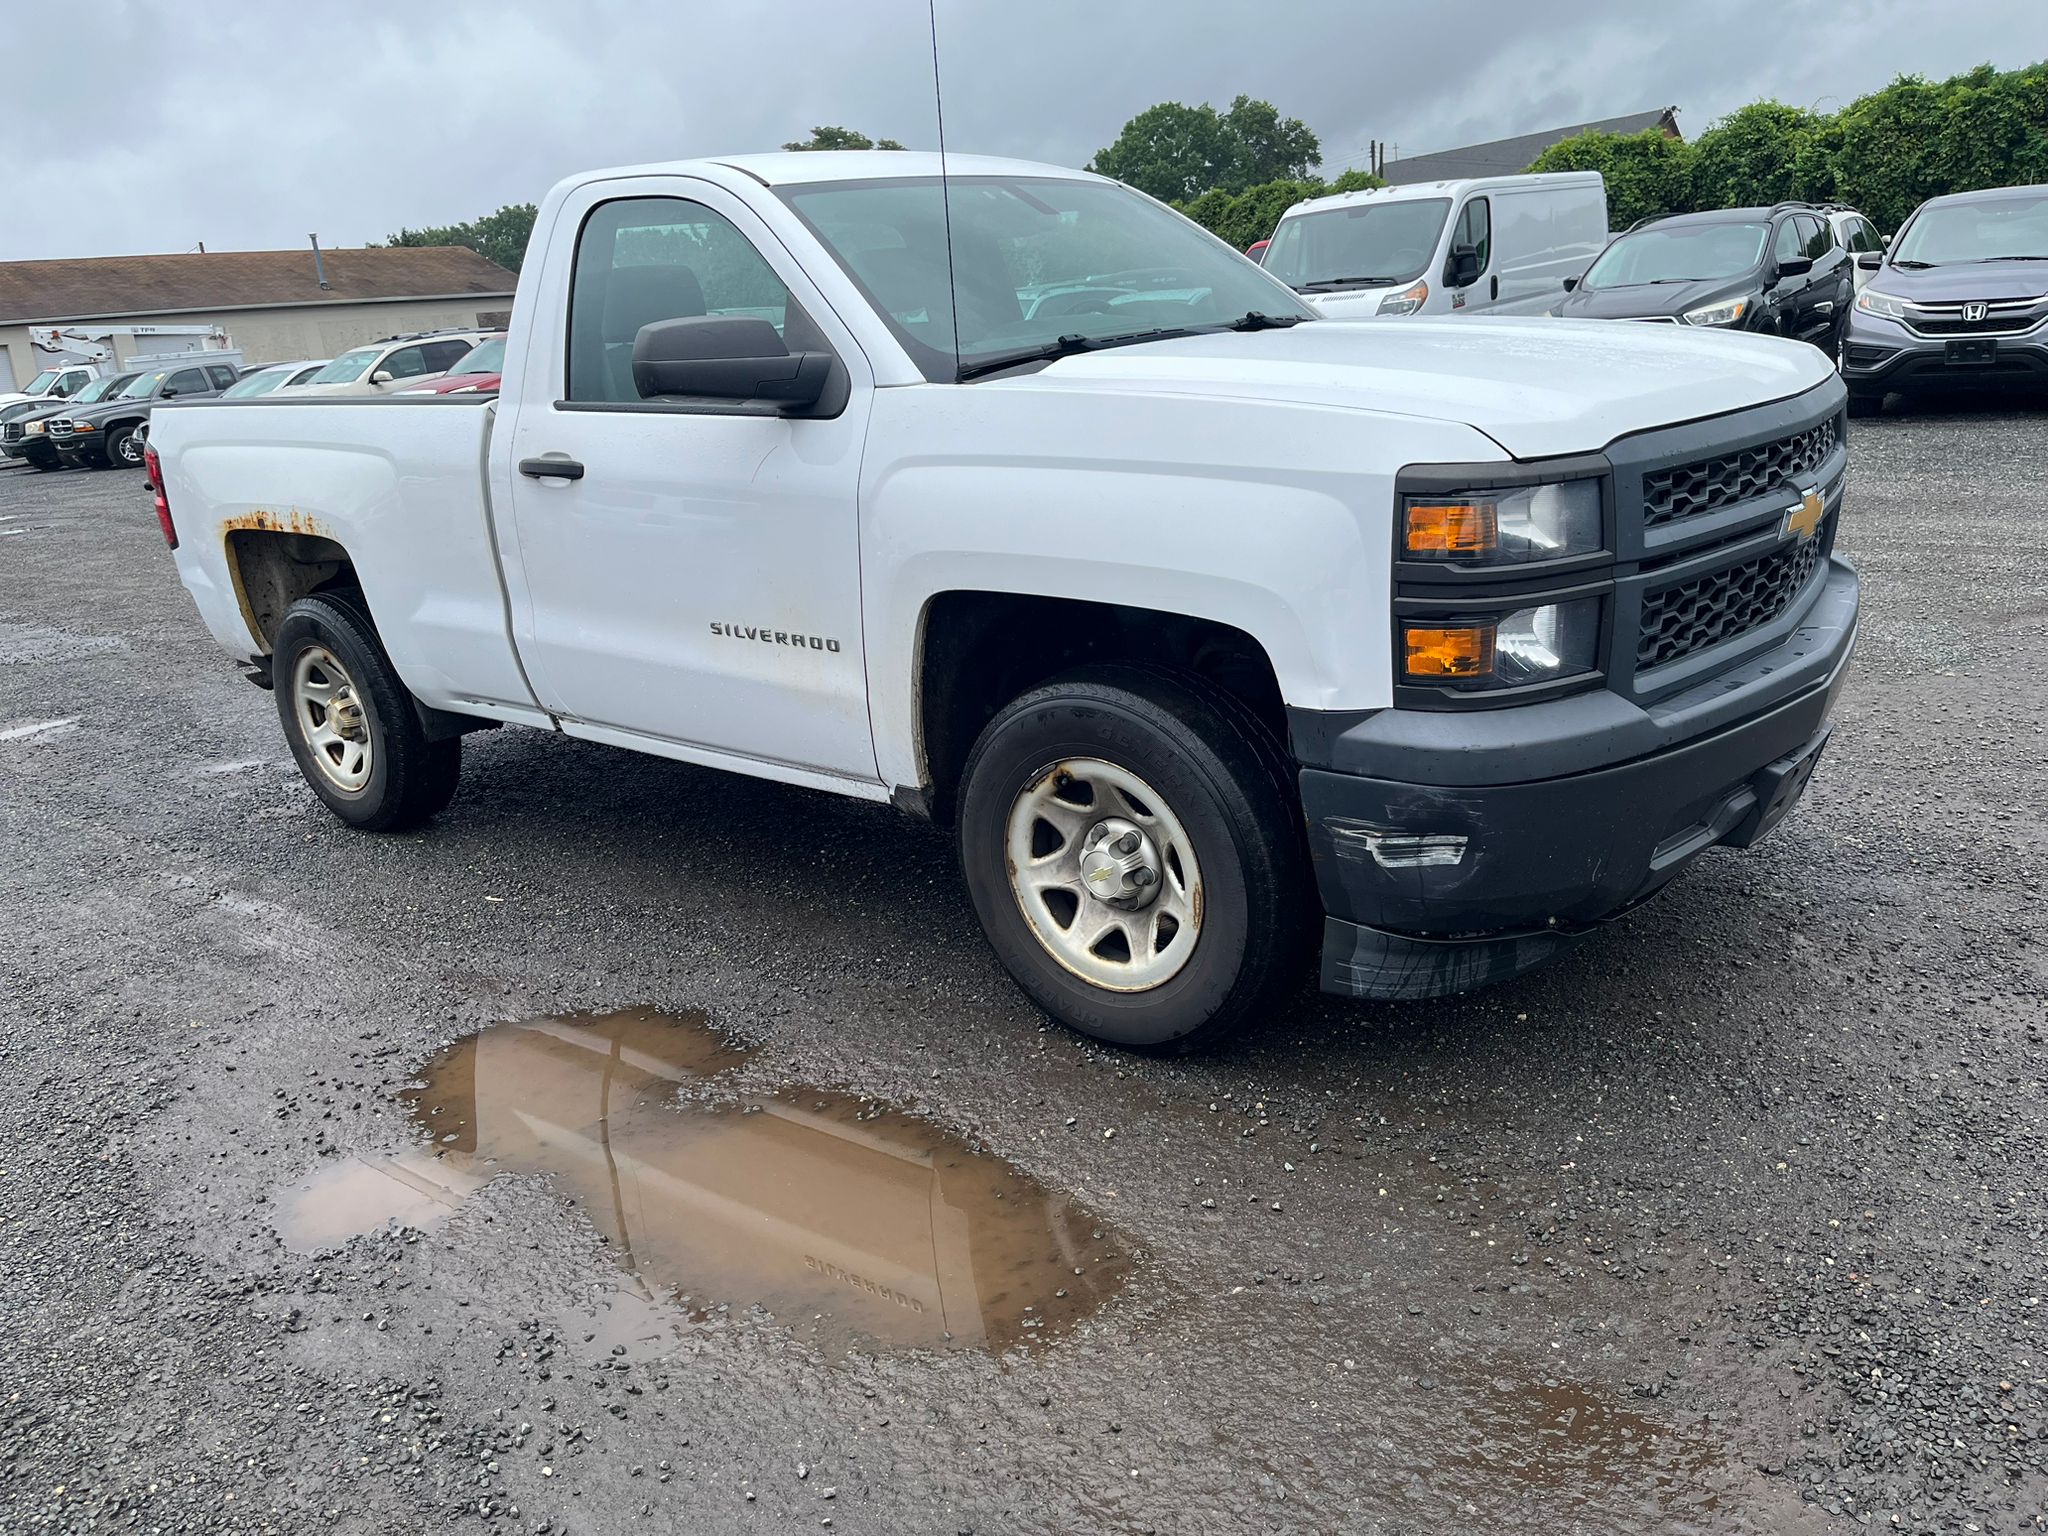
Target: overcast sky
249	125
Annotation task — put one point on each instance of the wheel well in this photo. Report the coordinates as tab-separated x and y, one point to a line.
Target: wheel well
979	650
273	570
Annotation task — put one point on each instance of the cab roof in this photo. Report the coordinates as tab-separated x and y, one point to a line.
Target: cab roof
1416	190
797	167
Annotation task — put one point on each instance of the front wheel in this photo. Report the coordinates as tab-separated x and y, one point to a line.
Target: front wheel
124	447
350	721
1130	841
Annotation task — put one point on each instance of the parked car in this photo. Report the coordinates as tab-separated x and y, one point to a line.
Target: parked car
1257	250
386	365
1858	236
59	383
272	377
1776	270
1496	245
477	373
115	430
26	436
1213	631
1959	298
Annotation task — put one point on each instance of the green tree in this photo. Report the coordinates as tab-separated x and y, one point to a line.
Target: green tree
1753	157
499	237
841	138
1355	180
1648	174
1914	139
1178	152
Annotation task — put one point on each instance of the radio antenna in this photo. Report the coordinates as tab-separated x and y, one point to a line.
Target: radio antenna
945	196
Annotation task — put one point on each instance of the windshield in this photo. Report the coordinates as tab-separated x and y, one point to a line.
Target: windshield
42	381
101	389
1386	242
489	357
1994	230
139	386
1035	260
348	367
1679	253
256	384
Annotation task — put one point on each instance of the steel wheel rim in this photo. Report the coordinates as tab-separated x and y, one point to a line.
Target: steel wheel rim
331	719
1056	821
130	451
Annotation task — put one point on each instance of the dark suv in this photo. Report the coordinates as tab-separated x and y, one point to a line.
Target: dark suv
1959	299
1777	270
115	430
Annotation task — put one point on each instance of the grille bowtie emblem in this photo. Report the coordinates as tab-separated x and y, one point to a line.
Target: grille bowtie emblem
1803	521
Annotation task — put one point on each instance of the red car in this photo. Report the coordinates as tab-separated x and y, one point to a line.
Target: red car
1257	251
478	373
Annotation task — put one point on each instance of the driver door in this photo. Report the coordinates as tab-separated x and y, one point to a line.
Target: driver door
690	569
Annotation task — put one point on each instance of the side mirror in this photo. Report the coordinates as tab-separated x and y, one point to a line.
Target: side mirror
170	393
726	357
1571	284
1869	261
1885	241
1464	266
1795	266
382	376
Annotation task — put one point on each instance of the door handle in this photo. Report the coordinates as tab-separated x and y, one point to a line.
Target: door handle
1496	285
551	469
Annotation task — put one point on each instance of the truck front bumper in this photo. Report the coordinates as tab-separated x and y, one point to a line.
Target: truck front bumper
1434	884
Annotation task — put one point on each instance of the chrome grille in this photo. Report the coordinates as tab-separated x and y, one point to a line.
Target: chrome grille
1692	490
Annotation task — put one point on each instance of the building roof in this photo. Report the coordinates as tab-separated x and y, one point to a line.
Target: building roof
1505	157
107	287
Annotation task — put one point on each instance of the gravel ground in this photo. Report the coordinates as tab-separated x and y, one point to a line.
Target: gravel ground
1733	1221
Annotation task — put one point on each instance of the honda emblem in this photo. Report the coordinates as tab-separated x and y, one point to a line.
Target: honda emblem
1975	311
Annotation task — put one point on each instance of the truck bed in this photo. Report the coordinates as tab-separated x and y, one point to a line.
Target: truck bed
408	495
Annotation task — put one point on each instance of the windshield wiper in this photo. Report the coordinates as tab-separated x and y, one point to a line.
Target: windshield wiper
1920	266
1341	282
1259	320
1065	346
1978	261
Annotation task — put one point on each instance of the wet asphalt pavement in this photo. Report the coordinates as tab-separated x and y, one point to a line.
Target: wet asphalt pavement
1732	1221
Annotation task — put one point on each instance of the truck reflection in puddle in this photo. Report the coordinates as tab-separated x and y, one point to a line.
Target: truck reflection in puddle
849	1221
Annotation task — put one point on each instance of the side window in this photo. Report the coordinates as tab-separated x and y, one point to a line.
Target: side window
1788	244
443	355
643	259
405	363
1820	239
1862	237
1475	228
186	381
221	374
70	385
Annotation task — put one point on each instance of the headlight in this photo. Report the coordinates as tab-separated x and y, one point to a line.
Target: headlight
1883	305
1406	302
1726	312
36	428
1503	527
1530	645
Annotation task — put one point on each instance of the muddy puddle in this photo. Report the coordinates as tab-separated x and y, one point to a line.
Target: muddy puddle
853	1223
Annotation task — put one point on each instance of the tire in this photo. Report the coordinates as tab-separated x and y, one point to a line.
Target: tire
332	680
123	449
1216	784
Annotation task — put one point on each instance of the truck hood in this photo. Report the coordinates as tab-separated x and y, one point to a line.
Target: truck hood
1537	387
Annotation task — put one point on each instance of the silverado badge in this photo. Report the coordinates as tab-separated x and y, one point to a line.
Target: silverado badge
1803	521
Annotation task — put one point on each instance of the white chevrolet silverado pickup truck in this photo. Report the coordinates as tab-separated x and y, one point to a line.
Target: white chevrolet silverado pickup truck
1210	627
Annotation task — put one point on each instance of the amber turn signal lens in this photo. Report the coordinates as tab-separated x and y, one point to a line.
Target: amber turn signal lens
1452	527
1466	651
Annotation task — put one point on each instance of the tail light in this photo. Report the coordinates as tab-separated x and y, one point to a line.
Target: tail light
153	472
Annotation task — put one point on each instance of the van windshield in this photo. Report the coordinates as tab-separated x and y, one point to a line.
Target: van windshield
1682	253
1375	242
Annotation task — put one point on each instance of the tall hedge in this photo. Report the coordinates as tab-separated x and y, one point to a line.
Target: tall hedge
1884	153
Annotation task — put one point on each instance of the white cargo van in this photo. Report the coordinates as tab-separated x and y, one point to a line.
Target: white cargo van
1495	245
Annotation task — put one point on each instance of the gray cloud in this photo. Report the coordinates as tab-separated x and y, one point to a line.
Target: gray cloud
247	126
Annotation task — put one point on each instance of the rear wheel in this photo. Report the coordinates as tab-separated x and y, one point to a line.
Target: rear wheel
350	721
1130	841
